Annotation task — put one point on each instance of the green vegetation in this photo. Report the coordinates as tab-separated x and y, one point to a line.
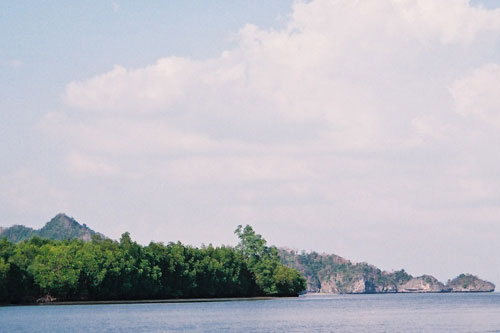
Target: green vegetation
102	269
271	276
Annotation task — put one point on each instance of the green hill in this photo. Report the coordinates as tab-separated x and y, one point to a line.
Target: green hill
17	233
60	227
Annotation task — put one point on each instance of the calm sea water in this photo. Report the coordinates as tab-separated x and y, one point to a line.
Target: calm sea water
350	313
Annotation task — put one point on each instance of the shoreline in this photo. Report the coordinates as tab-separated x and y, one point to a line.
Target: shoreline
151	301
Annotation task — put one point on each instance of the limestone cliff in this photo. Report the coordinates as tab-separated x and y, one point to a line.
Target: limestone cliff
423	284
329	273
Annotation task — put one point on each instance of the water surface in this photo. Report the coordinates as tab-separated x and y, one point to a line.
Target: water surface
347	313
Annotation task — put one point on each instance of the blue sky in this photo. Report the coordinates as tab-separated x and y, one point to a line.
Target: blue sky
366	129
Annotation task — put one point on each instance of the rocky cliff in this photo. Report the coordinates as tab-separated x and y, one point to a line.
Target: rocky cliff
423	284
470	283
329	273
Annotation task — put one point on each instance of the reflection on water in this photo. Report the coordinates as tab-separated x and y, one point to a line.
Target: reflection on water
349	313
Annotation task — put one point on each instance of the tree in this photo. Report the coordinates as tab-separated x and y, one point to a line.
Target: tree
263	261
56	271
4	270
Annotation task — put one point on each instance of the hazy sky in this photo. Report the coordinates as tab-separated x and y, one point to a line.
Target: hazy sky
369	129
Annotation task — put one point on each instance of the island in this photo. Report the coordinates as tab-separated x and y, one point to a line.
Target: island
330	273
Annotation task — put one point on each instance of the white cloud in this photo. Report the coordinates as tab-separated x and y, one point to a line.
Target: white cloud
453	21
82	164
478	94
140	90
123	135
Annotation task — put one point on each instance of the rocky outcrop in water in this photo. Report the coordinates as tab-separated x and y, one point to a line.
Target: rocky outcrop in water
329	273
423	284
469	283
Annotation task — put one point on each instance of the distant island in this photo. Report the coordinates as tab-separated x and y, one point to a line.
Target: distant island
67	261
329	273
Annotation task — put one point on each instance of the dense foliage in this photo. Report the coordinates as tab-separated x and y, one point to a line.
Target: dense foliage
271	276
102	269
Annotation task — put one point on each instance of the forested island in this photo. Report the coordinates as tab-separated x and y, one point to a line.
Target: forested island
67	261
44	270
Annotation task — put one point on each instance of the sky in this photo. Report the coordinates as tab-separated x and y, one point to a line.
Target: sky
368	129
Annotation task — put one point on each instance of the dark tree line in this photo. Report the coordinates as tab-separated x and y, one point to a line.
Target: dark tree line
103	269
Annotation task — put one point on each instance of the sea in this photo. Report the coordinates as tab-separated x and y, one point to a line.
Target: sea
450	312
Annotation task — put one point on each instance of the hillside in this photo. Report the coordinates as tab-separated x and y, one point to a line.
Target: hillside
329	273
60	227
17	233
